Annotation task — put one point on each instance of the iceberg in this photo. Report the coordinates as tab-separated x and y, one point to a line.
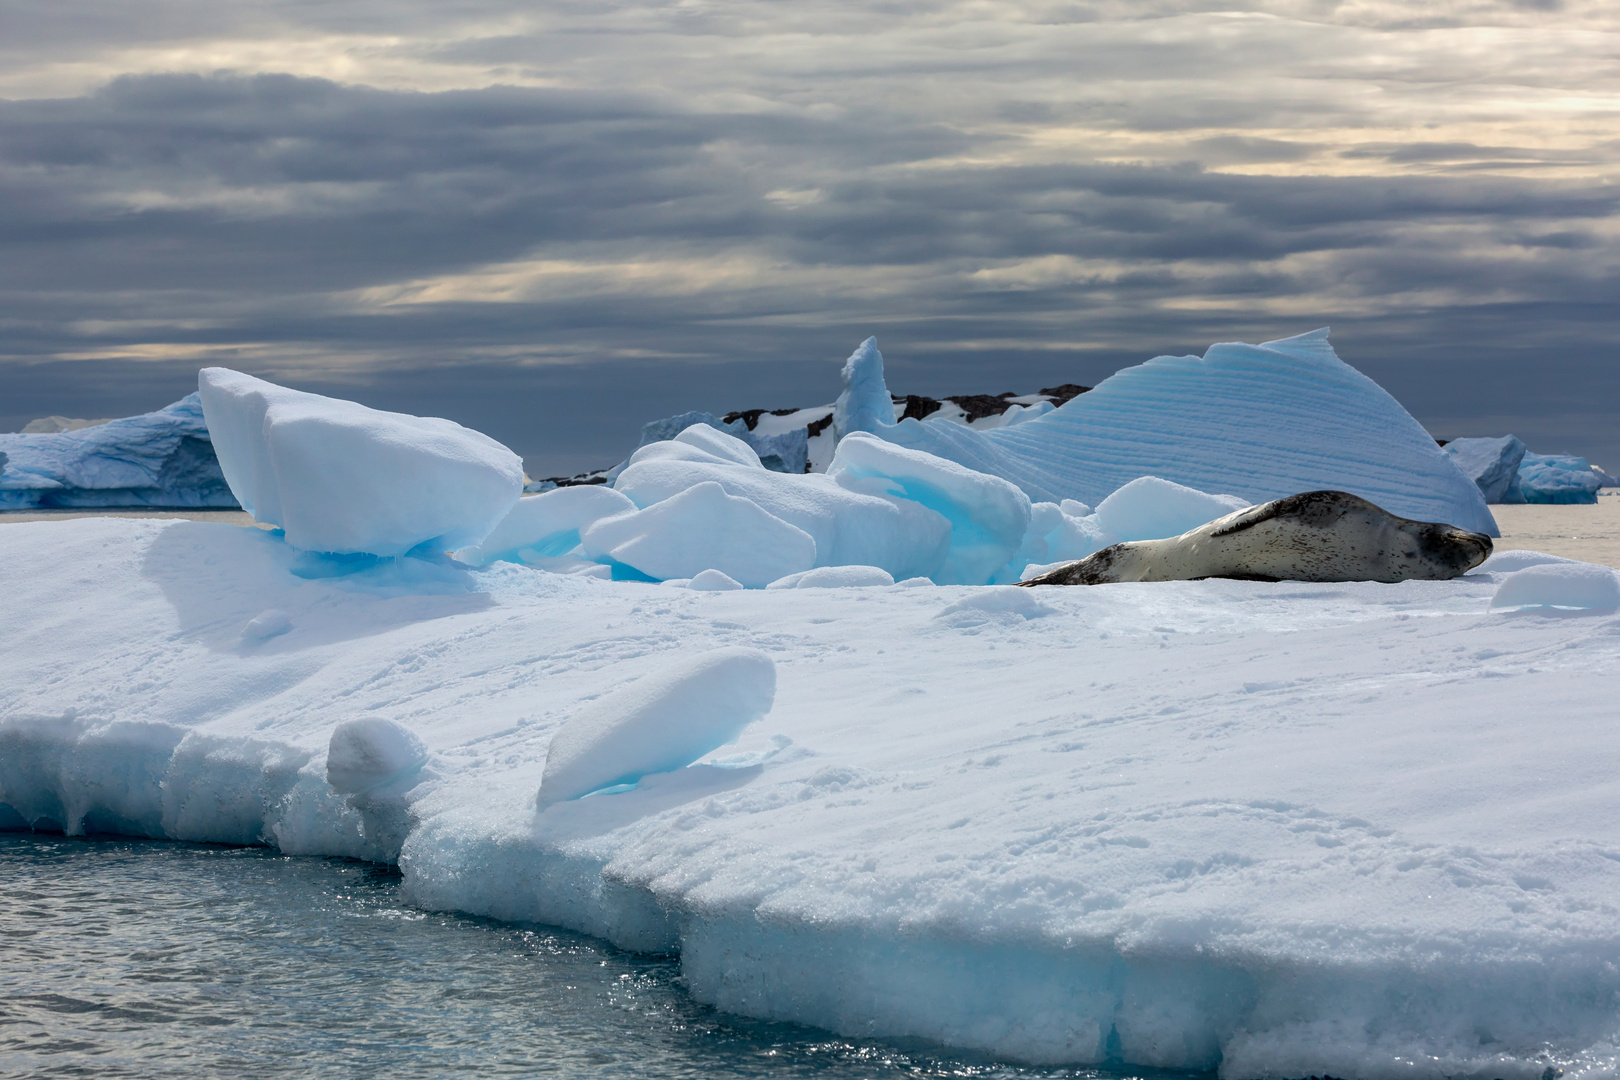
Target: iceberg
157	459
783	451
1076	827
1558	478
1255	421
1492	464
339	477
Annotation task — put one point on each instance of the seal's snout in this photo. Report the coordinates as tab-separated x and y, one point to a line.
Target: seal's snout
1457	548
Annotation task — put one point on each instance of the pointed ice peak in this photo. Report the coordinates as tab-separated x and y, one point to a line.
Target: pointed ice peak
864	404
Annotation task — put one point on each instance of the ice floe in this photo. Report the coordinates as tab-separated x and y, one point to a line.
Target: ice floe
340	477
1274	829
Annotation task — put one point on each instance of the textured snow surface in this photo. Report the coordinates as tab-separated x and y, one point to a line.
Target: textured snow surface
1279	829
340	477
1255	421
161	458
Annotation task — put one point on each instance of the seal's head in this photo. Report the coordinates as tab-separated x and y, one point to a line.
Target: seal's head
1449	548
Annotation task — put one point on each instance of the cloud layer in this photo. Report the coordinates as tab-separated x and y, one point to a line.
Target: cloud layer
554	223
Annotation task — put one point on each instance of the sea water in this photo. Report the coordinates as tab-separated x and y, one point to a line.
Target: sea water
132	958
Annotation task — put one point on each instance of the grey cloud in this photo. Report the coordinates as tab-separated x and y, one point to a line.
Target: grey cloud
232	217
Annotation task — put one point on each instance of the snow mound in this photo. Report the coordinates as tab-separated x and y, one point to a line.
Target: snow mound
340	477
267	624
1506	562
161	458
661	722
714	581
547	525
1490	463
1003	599
1149	508
371	751
1558	478
835	577
1258	421
1574	586
701	528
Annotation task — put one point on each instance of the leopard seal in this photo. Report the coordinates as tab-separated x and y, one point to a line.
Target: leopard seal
1312	536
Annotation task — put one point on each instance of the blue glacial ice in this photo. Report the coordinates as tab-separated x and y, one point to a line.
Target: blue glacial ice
1558	478
159	459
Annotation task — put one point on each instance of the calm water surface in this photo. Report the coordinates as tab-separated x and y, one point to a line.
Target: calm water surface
127	958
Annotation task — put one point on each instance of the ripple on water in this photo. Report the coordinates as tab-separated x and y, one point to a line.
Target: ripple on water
131	958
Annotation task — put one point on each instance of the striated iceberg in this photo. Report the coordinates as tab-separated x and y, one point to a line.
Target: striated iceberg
340	477
159	459
1255	421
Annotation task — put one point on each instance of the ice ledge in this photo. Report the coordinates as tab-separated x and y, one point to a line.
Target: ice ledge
1248	1012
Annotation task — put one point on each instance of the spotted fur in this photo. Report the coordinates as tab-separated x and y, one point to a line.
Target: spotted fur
1313	536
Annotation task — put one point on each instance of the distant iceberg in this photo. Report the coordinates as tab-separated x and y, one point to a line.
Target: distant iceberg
1558	478
1257	421
159	459
1492	464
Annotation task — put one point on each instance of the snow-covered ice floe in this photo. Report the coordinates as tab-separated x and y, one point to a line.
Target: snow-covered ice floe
1275	829
343	478
1256	421
160	458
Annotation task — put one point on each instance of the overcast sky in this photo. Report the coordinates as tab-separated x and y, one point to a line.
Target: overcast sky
553	221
